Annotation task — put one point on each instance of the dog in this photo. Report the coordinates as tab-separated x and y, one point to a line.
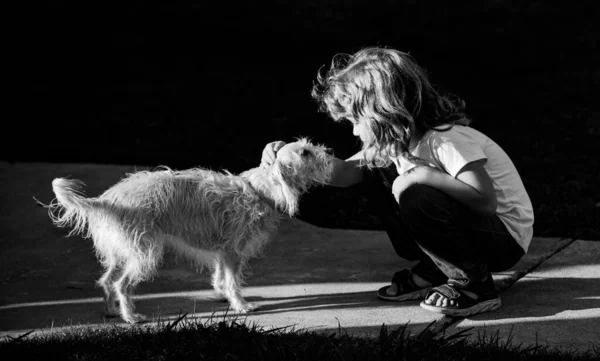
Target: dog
216	219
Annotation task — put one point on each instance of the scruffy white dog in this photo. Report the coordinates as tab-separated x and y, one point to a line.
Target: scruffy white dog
217	219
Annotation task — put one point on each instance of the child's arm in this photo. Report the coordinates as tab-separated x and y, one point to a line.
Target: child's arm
472	186
345	172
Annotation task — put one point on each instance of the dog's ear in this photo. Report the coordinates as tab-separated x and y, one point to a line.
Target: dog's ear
283	171
287	194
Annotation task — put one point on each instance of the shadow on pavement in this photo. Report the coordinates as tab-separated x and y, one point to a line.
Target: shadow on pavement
198	305
541	297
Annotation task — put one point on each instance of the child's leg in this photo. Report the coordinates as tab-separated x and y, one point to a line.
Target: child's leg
382	204
446	236
462	243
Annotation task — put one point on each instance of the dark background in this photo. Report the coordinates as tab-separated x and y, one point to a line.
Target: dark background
192	83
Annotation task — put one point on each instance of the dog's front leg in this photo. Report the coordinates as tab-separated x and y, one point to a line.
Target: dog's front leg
231	277
218	278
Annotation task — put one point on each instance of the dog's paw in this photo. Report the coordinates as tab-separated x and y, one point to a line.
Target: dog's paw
220	297
248	307
135	318
111	313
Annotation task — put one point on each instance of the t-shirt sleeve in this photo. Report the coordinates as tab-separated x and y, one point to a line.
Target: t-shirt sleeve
453	150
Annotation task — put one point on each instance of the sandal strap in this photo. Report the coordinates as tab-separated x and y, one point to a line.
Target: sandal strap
484	289
461	300
447	291
404	281
459	283
454	290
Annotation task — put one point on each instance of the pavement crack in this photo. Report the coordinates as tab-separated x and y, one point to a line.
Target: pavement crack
443	324
512	279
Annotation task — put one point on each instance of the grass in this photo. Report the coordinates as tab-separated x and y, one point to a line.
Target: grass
234	339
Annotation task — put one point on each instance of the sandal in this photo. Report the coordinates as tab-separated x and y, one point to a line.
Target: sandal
406	288
465	305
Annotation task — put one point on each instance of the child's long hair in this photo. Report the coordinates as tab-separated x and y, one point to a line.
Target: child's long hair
388	90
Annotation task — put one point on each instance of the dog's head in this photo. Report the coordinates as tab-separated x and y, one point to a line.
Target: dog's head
302	164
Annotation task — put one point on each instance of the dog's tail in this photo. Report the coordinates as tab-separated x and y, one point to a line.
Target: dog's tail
70	208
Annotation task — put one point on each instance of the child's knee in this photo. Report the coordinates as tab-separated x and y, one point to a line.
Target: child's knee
412	196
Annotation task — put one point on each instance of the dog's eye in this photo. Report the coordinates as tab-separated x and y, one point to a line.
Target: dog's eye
304	152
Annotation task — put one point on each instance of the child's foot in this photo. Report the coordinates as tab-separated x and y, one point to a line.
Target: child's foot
392	290
463	299
405	286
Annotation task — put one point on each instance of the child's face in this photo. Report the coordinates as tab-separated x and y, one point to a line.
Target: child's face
361	130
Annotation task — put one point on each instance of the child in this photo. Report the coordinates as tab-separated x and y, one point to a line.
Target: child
455	202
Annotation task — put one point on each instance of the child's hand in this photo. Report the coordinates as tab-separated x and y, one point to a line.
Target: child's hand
269	154
412	176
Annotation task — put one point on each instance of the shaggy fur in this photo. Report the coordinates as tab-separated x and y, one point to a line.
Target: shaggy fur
217	219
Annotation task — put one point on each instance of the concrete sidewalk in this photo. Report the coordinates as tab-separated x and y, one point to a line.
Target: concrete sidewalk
309	278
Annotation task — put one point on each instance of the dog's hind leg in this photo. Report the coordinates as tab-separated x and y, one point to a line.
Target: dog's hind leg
232	279
123	287
106	282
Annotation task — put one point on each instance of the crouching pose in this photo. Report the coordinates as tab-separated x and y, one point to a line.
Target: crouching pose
448	195
216	219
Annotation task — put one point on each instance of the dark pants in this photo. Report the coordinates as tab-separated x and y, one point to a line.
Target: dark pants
448	239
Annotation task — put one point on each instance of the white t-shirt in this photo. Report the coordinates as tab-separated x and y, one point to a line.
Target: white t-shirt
461	145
